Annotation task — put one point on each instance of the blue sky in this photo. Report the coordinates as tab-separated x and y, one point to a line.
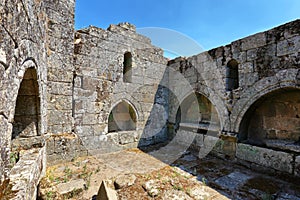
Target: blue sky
211	23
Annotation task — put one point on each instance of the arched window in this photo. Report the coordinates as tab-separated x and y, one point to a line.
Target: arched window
127	68
27	111
122	118
232	75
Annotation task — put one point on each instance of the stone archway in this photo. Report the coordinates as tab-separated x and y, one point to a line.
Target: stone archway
27	111
196	112
122	118
274	116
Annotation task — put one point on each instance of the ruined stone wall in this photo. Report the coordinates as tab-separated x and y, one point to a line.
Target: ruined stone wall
77	81
22	37
253	84
267	61
100	84
36	59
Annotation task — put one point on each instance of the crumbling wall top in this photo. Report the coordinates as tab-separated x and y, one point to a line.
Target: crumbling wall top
124	29
123	26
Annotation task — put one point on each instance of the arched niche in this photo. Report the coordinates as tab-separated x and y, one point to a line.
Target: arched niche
232	75
127	68
27	111
273	117
197	113
122	118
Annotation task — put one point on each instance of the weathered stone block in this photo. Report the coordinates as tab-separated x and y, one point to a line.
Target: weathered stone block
60	88
266	157
58	117
27	172
297	166
59	102
127	137
289	46
58	75
253	41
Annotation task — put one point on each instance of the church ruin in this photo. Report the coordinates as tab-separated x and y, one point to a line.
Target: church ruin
66	93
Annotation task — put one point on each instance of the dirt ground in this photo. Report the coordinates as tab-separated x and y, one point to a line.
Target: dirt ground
186	178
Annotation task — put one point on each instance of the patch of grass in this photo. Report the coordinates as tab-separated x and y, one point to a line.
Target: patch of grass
159	176
177	187
49	195
77	164
88	181
175	174
57	180
13	158
84	168
49	175
73	193
98	169
68	174
204	181
267	196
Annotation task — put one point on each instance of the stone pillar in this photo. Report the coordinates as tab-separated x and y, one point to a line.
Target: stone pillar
60	49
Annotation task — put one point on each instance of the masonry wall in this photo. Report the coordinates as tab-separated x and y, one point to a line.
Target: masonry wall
99	86
79	79
262	107
22	36
266	62
36	46
60	50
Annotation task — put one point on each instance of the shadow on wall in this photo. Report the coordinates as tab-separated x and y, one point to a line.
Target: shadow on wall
181	117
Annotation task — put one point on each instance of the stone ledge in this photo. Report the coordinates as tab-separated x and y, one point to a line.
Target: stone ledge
266	157
27	173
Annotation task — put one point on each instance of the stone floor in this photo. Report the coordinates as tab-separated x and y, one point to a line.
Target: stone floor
227	180
238	182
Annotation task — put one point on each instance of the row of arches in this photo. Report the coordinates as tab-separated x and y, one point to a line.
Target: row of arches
276	115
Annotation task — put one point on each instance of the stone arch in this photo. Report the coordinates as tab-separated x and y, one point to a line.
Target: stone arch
232	75
27	117
197	112
127	68
259	89
122	117
273	116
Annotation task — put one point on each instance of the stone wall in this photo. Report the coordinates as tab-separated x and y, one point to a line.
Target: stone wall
22	36
253	84
61	88
36	43
101	84
60	50
266	61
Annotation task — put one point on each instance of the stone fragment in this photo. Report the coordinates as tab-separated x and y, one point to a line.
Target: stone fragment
152	187
175	195
124	181
233	180
106	193
65	188
286	196
297	166
29	131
